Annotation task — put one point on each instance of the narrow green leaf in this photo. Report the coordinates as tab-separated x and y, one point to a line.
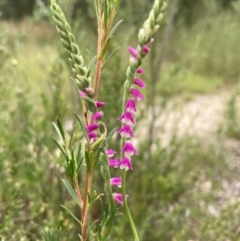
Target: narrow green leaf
72	164
98	143
110	135
83	128
79	166
111	218
49	235
61	149
105	47
90	104
87	159
71	191
59	124
71	137
111	55
75	84
99	151
58	234
115	27
92	63
58	131
105	14
92	226
79	158
105	174
118	3
89	53
71	214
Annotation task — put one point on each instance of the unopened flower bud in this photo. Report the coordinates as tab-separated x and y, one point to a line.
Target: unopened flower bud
156	27
163	6
159	18
90	91
141	36
98	115
145	50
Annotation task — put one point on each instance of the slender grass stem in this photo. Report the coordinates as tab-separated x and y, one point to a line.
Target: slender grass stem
127	211
77	189
88	186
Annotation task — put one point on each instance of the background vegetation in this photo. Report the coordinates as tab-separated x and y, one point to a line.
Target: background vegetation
186	188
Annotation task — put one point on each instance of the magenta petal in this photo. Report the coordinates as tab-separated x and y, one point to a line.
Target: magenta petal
130	105
113	163
82	94
128	149
140	71
151	41
139	82
127	118
110	153
126	163
126	131
92	127
119	198
116	181
98	115
100	104
90	90
133	60
133	52
145	49
137	94
92	135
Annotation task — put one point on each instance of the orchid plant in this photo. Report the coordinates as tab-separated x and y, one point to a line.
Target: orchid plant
92	151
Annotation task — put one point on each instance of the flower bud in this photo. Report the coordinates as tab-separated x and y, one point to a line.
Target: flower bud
156	27
159	18
164	6
90	91
141	36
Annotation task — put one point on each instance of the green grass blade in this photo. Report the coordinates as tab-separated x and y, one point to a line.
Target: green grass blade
71	214
115	27
83	128
71	191
111	55
109	136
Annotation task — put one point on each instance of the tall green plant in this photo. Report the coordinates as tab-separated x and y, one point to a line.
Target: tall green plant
90	152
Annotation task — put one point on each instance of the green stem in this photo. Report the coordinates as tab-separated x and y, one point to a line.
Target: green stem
127	211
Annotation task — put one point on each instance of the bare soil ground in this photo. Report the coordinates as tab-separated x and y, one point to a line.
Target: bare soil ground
201	117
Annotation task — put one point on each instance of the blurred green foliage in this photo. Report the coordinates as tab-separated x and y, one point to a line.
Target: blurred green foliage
167	195
189	10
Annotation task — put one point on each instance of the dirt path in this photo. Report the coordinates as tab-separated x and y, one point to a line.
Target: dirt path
200	117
